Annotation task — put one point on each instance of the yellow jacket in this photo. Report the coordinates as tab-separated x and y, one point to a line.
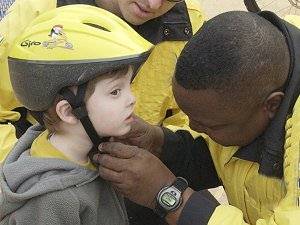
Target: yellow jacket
20	14
7	132
153	87
255	198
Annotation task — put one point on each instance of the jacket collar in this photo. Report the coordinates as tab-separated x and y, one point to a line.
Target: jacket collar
268	149
175	25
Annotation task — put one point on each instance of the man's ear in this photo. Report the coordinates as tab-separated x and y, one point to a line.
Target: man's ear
273	102
64	112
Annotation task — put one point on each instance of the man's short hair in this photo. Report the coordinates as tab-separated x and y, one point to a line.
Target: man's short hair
237	53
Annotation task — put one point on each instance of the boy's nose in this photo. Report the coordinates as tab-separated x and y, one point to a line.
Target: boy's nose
155	4
131	100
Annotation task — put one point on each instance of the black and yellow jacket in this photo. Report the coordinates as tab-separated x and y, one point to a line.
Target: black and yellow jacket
261	180
151	86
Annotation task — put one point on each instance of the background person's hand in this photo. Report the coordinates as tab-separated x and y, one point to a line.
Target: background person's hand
134	172
143	135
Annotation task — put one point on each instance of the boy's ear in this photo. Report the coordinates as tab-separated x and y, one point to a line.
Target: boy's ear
64	112
273	102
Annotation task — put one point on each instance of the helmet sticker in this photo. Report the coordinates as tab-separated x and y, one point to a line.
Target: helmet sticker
58	39
28	43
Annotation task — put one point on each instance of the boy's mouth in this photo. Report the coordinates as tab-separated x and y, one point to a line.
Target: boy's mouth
129	118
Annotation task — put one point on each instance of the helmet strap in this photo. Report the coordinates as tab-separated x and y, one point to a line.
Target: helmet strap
79	110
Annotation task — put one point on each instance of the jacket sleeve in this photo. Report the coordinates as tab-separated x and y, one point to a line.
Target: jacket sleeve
7	139
57	208
189	158
200	210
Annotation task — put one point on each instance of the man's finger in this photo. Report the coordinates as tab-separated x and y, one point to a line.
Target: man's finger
118	150
117	139
110	175
111	162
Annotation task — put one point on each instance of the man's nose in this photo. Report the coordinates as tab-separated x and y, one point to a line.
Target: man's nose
155	4
198	128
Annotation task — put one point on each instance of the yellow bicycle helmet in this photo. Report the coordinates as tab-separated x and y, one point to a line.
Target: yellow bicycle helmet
69	46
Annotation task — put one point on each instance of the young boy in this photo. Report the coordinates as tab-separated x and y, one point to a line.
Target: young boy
79	87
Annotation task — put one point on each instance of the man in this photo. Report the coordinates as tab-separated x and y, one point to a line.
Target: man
239	84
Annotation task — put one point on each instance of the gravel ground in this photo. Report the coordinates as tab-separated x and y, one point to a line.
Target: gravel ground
281	7
214	7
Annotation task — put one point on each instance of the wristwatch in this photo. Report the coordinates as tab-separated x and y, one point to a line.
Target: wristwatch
169	198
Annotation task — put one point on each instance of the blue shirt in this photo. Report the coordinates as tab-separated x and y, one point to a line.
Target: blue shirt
4	5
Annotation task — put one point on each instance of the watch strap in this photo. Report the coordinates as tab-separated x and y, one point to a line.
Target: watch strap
160	211
180	184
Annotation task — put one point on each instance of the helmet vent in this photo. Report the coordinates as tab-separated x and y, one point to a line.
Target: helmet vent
97	26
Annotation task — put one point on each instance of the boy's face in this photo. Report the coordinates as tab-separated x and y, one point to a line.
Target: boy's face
111	105
138	12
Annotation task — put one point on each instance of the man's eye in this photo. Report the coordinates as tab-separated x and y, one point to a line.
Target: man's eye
115	92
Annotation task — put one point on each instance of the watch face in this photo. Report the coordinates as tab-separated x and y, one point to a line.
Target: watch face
168	199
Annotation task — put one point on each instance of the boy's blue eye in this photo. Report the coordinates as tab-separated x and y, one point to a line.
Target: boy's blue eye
115	92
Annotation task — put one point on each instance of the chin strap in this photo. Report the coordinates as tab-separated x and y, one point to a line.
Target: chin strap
79	110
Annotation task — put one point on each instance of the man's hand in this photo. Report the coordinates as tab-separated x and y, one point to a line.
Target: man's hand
134	172
143	135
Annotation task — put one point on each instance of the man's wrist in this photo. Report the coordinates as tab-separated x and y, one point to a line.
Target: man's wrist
173	216
158	140
198	209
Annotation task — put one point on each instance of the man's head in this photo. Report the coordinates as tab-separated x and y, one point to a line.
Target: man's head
137	12
229	78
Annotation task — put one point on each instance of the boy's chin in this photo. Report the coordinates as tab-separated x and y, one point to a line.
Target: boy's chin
123	131
118	132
